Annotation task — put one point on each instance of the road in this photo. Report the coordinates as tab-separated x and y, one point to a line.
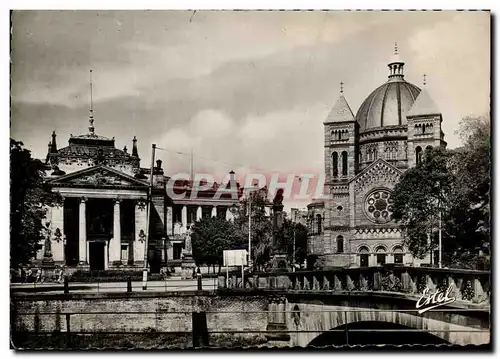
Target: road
170	285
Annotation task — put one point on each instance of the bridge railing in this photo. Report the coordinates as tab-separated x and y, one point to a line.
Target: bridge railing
466	285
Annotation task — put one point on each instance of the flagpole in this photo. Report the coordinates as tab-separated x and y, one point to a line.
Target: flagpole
148	219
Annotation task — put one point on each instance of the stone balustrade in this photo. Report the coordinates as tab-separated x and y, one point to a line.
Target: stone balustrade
468	285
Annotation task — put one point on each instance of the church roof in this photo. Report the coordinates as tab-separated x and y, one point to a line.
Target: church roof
341	112
387	105
424	105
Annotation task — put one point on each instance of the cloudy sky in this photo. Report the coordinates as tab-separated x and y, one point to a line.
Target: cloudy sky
245	90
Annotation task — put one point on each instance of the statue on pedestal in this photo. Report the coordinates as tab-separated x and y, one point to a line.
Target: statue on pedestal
187	264
279	261
47	245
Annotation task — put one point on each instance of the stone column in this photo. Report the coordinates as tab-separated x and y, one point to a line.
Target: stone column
198	213
184	217
140	231
82	233
106	255
115	242
57	231
214	211
170	221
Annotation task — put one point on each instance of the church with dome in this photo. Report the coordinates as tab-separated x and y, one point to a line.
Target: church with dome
365	155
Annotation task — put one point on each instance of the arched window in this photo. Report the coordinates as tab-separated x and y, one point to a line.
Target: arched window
381	254
423	128
340	135
344	163
398	255
335	164
418	154
364	254
340	244
318	222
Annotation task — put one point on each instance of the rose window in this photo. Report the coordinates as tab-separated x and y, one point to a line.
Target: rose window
378	206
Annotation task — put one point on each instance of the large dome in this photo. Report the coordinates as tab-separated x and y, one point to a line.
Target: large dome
387	105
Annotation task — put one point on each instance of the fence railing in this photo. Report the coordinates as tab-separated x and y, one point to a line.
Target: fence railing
466	285
66	287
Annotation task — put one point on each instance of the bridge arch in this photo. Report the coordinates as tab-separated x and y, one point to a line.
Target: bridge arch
309	320
374	333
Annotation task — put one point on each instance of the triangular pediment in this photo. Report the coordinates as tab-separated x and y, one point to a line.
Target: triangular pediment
340	112
380	171
98	176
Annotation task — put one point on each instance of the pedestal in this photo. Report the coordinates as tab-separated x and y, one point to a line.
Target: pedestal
187	267
48	268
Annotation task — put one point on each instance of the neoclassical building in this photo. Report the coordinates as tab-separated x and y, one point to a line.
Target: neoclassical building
102	222
365	155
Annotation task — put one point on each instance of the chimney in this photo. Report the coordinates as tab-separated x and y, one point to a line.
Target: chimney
134	148
158	164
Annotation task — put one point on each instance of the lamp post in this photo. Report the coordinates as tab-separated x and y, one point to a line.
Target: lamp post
440	249
148	219
249	230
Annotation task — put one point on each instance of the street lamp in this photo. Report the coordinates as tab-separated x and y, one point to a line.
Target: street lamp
440	244
249	231
440	263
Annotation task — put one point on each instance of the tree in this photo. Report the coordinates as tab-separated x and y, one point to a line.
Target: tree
261	227
29	197
471	171
293	231
457	184
418	198
210	237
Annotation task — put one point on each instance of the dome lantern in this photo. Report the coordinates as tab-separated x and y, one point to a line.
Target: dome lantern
396	65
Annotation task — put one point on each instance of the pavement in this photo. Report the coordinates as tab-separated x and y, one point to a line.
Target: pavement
169	285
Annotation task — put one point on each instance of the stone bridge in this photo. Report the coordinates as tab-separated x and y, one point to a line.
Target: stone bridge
345	306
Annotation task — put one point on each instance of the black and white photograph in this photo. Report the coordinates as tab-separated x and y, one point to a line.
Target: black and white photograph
243	179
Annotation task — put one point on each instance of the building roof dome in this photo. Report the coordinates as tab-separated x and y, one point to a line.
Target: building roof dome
388	104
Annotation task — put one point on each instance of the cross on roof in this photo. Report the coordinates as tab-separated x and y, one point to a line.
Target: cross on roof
425	79
341	87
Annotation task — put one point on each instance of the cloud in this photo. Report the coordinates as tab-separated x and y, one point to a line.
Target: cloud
244	90
455	55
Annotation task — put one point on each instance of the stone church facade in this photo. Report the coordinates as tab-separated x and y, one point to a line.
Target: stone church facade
365	155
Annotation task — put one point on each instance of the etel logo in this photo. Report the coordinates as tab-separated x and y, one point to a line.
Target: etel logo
427	302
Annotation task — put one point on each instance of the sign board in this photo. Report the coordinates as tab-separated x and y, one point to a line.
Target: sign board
235	258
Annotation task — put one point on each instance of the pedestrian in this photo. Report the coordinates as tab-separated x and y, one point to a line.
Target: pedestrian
23	275
29	274
58	274
39	278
